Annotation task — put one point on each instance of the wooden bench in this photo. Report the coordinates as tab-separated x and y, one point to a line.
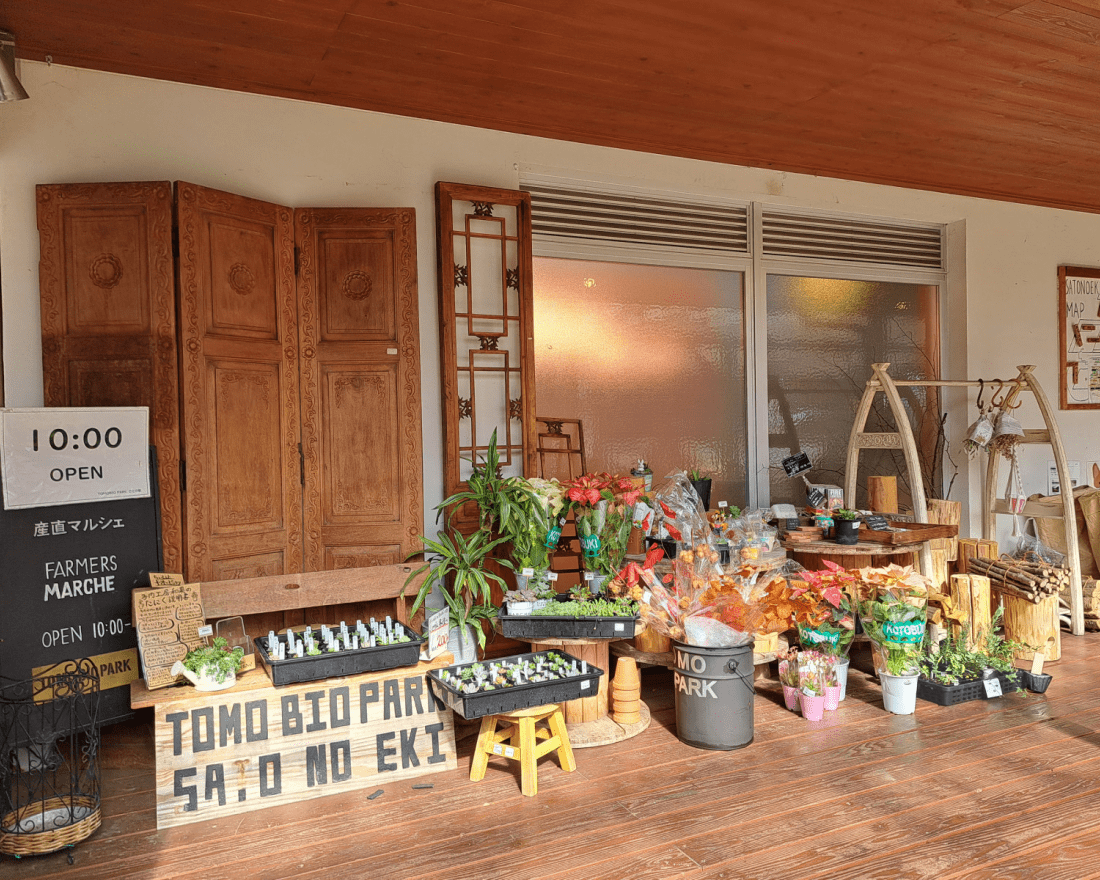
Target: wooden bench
275	602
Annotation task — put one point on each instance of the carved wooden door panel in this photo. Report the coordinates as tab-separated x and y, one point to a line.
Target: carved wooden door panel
108	314
360	379
239	378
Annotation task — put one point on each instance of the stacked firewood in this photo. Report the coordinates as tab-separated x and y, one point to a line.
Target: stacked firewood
1033	579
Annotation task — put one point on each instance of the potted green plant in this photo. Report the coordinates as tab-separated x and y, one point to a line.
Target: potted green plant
211	667
952	672
846	526
701	483
455	564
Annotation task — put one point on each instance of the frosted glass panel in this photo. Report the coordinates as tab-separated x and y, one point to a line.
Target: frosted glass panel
823	336
651	359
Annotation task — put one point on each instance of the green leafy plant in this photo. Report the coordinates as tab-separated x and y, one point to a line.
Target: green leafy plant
590	608
696	474
843	513
502	502
952	662
214	661
456	564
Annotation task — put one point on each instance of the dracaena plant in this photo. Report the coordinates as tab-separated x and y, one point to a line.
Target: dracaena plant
456	564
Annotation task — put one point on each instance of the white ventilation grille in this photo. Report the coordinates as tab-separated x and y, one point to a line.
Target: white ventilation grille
802	236
637	221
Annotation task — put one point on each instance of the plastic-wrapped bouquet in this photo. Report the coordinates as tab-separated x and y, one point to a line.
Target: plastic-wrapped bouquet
535	534
603	507
893	608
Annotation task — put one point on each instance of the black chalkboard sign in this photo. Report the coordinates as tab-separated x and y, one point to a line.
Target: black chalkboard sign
796	464
66	573
876	522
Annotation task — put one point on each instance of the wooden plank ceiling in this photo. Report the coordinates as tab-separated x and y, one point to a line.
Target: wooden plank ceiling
992	98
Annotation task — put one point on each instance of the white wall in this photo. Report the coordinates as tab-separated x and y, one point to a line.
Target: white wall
85	126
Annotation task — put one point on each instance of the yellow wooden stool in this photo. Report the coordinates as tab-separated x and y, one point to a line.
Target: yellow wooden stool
522	737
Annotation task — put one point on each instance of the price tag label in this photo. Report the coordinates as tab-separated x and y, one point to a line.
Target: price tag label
588	575
992	687
585	684
438	625
552	576
205	631
723	504
74	455
528	572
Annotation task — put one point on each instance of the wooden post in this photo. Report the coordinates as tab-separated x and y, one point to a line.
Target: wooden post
1033	624
882	494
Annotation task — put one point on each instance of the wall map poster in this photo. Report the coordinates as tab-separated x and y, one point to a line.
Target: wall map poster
1079	337
66	575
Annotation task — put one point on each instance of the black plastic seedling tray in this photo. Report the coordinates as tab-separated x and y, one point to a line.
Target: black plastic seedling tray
550	626
963	692
298	669
514	697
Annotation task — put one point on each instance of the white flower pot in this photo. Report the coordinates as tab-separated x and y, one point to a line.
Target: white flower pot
899	693
842	676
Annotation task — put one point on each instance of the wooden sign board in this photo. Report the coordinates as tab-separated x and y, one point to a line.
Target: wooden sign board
255	746
1079	337
167	619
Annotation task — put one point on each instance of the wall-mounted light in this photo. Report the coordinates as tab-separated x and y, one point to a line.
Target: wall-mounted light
10	87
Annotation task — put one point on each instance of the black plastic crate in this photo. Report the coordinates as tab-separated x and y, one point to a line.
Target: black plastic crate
550	626
964	691
294	670
514	697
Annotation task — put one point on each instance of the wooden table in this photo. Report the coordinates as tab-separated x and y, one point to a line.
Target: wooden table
812	554
587	719
254	745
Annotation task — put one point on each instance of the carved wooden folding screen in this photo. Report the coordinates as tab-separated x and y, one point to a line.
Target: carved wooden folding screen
486	329
108	315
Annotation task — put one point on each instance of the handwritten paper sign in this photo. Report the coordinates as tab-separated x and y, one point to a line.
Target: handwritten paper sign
167	619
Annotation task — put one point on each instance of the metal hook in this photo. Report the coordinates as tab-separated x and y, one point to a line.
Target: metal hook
981	391
993	401
1005	405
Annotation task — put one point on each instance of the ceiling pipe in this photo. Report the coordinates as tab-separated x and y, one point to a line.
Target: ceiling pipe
10	87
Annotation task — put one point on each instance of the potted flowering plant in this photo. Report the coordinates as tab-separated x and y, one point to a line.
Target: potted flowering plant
894	613
603	507
831	589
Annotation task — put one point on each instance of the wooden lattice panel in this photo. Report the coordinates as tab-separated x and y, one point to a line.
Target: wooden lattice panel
486	329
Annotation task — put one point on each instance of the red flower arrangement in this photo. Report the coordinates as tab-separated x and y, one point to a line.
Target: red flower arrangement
603	506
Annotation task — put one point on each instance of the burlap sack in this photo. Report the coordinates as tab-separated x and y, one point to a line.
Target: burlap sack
1051	531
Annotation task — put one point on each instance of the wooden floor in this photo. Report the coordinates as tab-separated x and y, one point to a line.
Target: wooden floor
1006	788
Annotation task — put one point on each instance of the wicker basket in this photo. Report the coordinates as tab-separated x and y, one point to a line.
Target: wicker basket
30	841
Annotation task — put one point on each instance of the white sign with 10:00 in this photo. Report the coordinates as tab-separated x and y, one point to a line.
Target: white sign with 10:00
73	455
